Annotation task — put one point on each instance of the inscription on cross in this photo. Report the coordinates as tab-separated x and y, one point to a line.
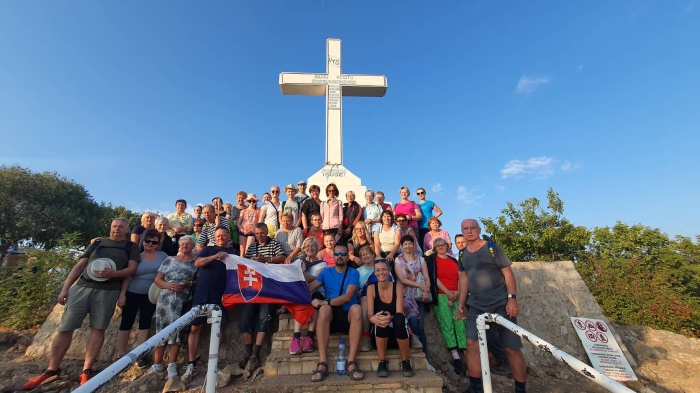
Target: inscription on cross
334	85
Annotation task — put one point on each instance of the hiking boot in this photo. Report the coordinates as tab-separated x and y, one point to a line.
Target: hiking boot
253	363
383	369
143	361
308	345
190	372
365	344
406	368
36	381
295	346
85	376
172	370
156	368
503	368
459	366
415	342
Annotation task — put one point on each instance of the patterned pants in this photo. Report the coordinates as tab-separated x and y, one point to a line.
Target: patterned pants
454	332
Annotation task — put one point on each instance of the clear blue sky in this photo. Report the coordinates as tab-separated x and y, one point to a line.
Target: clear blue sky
488	102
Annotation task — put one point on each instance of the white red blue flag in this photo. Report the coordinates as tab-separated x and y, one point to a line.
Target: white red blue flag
254	282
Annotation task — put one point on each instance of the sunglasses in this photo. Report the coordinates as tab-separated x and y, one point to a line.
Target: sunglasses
420	193
401	220
151	242
340	254
275	192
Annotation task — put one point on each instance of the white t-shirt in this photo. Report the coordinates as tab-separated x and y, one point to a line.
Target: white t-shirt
271	213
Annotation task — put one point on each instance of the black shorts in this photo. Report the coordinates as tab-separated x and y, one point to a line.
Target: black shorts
255	318
340	323
508	339
318	295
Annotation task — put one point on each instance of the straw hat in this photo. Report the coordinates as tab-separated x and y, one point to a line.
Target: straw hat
95	267
290	186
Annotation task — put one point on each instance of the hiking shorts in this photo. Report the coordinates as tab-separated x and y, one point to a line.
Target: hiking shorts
508	339
98	303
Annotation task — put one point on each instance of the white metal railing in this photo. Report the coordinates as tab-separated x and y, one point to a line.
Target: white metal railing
580	367
214	314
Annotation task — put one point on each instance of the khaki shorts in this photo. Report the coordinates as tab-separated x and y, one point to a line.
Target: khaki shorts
99	303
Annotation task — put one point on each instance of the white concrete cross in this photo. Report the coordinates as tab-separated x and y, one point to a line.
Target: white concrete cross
333	84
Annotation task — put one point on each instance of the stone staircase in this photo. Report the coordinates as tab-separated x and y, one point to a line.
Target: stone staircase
292	373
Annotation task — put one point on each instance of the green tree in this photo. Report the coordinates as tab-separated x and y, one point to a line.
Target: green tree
46	209
639	275
529	232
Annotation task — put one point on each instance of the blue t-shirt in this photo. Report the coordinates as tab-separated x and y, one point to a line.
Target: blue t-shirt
426	209
331	279
212	277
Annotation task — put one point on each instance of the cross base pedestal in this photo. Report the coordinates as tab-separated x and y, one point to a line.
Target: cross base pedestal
342	178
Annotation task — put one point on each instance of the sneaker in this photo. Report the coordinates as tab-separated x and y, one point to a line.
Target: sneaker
143	361
365	344
473	390
85	376
459	366
36	381
295	346
282	310
383	369
502	368
190	372
156	368
415	342
172	370
308	345
406	368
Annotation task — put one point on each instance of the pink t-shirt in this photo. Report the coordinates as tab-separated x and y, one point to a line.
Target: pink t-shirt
409	209
429	239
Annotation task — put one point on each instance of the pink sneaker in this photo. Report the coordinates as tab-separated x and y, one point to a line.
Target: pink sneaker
295	346
308	345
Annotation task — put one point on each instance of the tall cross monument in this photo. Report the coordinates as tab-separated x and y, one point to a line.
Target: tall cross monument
334	85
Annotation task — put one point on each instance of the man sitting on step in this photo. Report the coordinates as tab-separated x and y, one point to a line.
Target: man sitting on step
341	313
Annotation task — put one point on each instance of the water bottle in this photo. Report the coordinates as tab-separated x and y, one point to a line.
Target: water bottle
340	365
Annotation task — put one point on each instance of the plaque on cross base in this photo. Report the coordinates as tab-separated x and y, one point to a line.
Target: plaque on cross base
334	85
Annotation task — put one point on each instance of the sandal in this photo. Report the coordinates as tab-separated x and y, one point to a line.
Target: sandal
351	373
323	373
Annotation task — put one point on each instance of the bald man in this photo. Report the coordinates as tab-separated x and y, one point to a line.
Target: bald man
489	281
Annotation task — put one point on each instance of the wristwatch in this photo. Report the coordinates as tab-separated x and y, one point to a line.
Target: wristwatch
512	296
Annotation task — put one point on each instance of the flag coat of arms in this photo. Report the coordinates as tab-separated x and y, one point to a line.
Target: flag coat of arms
254	282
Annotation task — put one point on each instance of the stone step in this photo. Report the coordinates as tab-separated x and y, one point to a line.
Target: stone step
281	362
423	382
283	338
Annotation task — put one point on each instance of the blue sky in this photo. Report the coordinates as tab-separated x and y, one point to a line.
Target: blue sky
488	102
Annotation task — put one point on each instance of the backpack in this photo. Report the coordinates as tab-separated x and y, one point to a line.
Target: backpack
127	248
491	246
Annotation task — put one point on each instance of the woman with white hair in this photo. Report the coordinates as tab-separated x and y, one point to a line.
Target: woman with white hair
352	213
175	278
312	267
148	221
167	244
371	213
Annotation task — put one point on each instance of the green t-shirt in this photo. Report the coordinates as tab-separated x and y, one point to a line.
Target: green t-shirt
114	250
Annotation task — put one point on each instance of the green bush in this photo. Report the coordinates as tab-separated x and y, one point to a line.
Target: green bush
29	290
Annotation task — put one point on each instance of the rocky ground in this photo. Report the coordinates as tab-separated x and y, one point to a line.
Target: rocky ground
667	362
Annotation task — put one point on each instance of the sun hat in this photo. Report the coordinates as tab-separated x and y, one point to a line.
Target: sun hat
290	186
252	197
96	266
153	293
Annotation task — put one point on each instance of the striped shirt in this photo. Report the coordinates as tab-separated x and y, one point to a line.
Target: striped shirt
270	249
206	237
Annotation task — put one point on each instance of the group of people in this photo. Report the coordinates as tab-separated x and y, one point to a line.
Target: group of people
373	271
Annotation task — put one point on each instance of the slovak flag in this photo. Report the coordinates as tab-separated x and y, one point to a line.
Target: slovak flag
254	282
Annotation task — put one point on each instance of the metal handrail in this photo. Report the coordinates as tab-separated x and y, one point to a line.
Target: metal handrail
579	366
212	310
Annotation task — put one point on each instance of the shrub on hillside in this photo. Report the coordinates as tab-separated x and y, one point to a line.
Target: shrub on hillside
29	290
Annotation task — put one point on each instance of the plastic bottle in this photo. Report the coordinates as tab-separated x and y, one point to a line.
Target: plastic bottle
340	364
